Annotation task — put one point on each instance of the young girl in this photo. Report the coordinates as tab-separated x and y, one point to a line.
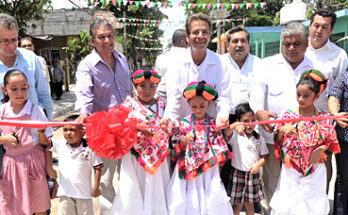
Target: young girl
196	187
250	153
23	185
144	173
300	148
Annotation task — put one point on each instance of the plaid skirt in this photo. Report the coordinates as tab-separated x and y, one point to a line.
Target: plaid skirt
244	187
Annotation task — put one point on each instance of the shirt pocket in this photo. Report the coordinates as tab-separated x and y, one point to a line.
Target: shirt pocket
276	90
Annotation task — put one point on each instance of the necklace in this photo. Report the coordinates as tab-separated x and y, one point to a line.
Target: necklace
207	130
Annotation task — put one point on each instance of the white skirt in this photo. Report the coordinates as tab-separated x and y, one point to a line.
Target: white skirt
204	195
298	195
140	193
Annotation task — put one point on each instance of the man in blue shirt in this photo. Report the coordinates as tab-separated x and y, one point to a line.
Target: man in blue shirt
24	60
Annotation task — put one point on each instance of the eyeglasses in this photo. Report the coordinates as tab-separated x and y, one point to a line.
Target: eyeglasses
8	42
25	46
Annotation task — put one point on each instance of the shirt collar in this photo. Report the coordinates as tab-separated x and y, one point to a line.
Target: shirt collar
208	60
97	58
234	62
26	109
326	46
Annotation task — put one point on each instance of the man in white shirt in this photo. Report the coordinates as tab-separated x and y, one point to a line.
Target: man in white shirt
164	61
273	91
326	57
241	65
196	64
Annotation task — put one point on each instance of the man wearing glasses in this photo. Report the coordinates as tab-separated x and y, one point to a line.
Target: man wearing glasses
27	43
103	81
26	61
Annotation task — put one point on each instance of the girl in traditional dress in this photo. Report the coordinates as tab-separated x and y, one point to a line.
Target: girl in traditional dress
23	185
195	187
144	174
301	147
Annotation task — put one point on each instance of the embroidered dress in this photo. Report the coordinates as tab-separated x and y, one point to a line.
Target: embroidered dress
302	186
23	185
195	187
144	173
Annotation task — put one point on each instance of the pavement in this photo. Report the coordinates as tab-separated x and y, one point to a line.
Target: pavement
65	104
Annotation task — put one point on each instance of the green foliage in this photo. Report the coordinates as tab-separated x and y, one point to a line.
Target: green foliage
24	11
132	11
78	47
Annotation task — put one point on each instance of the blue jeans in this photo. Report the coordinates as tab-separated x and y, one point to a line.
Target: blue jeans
341	186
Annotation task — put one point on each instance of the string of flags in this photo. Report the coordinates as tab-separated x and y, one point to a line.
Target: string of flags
146	39
149	4
156	23
148	49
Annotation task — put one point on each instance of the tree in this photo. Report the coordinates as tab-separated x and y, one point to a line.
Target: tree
78	48
149	32
24	11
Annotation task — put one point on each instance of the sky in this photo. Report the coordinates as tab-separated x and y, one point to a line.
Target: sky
174	13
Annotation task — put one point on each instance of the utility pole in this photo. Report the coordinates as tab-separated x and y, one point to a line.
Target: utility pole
125	31
218	34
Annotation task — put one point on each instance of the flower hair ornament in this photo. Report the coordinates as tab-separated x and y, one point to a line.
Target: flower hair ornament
201	88
318	77
140	76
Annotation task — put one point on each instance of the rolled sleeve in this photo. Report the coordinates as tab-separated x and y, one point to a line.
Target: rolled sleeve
43	93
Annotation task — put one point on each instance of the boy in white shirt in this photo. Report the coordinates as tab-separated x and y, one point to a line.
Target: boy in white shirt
76	161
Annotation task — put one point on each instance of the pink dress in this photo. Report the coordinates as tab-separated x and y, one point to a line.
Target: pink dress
23	185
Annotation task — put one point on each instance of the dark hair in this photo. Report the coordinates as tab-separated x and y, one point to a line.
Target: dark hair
315	79
235	30
242	109
325	12
10	73
97	23
197	16
178	36
71	118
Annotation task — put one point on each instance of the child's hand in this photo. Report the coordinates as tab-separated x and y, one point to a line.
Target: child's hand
147	132
254	169
96	192
314	157
10	139
166	125
288	129
189	137
240	128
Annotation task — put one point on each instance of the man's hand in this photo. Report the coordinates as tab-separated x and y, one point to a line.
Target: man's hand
263	115
343	122
82	118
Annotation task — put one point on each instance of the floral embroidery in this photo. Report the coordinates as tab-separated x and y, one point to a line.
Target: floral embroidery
192	159
295	150
150	153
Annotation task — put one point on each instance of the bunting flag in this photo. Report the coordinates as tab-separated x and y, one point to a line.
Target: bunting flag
150	40
156	23
149	4
149	49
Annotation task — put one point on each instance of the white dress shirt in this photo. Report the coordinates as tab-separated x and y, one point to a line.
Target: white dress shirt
240	77
185	72
163	62
330	60
274	87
